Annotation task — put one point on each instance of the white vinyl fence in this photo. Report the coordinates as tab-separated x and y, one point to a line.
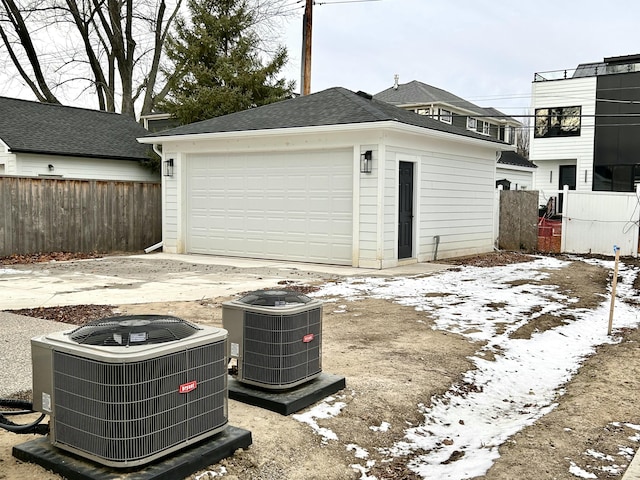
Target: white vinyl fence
595	222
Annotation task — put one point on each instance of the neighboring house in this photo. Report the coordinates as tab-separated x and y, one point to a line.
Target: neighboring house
418	97
334	177
514	172
450	109
55	141
586	132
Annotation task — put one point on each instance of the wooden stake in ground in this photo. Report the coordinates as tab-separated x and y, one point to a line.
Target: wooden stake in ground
613	287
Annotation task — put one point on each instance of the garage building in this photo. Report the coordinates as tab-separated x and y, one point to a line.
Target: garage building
335	177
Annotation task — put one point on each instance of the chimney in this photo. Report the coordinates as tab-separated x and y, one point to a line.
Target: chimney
396	78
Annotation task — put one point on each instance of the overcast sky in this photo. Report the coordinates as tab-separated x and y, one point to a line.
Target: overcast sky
485	51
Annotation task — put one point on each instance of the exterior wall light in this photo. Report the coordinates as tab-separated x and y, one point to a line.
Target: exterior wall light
366	162
168	168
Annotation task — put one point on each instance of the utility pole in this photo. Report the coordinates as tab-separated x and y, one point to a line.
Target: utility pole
305	80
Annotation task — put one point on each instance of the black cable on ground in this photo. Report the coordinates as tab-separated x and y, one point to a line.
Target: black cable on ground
33	427
13	403
26	407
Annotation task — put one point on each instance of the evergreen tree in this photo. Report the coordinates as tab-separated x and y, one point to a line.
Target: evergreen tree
220	66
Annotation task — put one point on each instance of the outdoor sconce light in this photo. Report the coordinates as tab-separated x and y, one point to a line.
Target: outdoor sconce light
50	168
366	161
168	168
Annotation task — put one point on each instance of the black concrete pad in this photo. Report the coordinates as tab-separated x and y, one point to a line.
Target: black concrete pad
286	402
178	464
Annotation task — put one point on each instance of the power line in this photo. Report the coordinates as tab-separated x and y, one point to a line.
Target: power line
345	1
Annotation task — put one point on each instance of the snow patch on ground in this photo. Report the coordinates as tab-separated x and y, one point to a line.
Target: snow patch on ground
576	471
359	452
323	410
211	474
384	427
463	428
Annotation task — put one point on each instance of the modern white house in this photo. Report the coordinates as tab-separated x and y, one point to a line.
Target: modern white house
586	133
55	141
335	177
442	105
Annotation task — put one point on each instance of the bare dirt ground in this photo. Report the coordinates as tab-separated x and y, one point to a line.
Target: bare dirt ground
389	369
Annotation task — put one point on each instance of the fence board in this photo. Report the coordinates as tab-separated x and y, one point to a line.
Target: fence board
518	224
48	215
593	222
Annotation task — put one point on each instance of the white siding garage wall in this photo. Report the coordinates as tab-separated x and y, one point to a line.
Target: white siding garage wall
456	205
294	206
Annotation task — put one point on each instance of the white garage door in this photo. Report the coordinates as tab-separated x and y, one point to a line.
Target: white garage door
293	206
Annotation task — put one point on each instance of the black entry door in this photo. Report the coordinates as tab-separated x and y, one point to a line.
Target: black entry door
567	177
405	211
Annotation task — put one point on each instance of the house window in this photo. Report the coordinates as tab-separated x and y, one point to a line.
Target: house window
486	128
472	123
423	111
558	122
445	116
616	178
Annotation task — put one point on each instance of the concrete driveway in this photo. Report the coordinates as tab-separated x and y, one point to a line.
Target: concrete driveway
131	279
161	277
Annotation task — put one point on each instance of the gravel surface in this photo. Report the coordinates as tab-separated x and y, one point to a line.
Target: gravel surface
15	349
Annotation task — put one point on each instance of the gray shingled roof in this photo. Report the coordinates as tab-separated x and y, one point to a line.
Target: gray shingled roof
334	106
34	127
513	158
416	93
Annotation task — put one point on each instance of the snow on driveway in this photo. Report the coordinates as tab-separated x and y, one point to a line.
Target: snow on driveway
522	381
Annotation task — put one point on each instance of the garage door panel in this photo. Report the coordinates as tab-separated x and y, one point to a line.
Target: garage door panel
295	206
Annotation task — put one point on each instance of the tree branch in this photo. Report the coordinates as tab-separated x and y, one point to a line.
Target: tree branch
16	19
25	76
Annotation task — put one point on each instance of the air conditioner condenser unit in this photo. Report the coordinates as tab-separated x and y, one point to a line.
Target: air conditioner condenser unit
124	391
275	337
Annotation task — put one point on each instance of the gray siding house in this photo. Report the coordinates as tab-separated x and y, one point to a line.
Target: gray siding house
448	108
46	140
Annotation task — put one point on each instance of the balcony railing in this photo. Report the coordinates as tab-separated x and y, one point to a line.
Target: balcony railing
587	70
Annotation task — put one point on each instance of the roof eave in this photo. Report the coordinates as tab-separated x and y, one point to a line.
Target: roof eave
350	127
499	144
74	154
259	133
457	109
521	168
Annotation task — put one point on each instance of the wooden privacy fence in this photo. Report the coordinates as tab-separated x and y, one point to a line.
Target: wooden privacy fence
518	220
52	215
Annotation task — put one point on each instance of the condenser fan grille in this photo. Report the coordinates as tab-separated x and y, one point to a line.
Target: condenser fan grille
133	330
123	412
274	298
275	350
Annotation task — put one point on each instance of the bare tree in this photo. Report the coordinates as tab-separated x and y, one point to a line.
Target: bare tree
524	136
36	81
111	48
